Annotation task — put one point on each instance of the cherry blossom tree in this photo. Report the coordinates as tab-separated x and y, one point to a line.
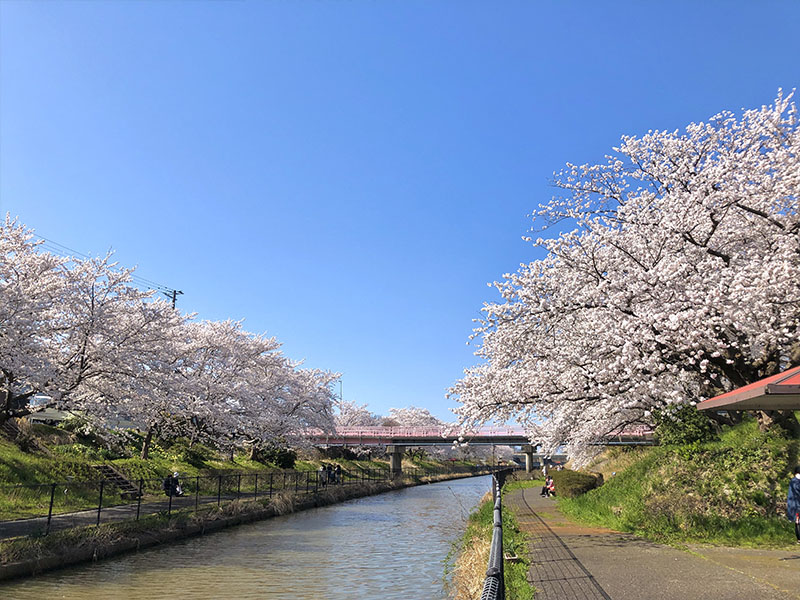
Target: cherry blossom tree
678	280
412	416
351	414
73	330
108	332
305	403
81	333
30	286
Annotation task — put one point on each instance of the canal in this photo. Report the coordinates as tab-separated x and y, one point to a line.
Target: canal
389	546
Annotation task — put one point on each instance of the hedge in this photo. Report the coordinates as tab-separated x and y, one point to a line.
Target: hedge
570	484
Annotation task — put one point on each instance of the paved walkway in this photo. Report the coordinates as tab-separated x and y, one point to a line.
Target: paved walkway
122	512
571	561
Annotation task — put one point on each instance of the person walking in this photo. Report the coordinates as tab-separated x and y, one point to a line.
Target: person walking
793	502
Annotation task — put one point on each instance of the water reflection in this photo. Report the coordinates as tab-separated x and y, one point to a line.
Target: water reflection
385	547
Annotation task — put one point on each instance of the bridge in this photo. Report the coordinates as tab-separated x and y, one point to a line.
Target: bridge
396	439
421	436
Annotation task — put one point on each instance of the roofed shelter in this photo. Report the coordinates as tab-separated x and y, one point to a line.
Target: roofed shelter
777	392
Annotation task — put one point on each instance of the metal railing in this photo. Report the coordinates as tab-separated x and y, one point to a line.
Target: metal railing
38	509
494	584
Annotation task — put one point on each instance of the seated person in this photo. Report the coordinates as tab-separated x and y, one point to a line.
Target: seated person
549	487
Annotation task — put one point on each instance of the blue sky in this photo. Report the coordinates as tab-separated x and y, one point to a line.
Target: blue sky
348	176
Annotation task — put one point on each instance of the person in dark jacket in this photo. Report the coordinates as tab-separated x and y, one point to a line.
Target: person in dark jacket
793	502
172	485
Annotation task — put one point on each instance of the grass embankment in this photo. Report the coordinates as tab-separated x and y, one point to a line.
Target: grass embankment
469	570
728	492
70	456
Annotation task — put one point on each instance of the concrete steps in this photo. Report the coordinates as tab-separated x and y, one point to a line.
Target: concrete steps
111	475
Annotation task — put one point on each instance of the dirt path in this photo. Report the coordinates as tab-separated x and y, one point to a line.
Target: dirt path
571	561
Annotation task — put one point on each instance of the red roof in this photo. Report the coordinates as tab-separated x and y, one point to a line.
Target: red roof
777	392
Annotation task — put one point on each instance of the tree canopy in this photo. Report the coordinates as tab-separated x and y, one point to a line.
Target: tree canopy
79	333
676	279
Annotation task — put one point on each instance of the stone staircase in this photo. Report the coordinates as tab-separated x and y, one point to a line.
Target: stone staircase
110	475
11	431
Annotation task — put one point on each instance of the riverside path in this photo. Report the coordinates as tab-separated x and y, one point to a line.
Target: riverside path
571	561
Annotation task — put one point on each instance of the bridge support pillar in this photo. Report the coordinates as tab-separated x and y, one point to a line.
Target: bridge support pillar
529	451
395	459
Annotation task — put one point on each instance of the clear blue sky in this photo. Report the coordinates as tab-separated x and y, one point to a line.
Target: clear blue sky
347	176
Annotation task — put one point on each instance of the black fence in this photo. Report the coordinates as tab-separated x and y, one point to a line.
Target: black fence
35	510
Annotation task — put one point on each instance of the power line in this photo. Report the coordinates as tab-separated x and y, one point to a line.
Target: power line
67	252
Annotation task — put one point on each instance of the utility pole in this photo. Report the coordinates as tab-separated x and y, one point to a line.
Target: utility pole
174	296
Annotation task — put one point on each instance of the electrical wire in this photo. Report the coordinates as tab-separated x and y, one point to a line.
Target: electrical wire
66	252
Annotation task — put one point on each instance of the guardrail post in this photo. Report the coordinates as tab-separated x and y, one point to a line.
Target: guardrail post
239	487
100	503
296	482
50	510
270	484
255	488
219	490
196	493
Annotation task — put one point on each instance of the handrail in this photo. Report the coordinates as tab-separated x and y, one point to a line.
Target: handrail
494	585
444	431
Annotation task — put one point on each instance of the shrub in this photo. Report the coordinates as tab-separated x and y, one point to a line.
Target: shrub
682	425
570	484
82	451
283	458
337	452
196	454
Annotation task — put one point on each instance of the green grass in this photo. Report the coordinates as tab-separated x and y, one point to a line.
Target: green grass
479	525
728	492
73	454
522	484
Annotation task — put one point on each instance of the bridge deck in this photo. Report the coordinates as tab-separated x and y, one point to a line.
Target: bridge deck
438	436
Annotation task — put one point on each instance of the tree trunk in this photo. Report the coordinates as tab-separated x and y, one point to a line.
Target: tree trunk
146	446
729	418
785	419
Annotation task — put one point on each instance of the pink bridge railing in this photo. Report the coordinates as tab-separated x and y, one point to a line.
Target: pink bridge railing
448	432
417	432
